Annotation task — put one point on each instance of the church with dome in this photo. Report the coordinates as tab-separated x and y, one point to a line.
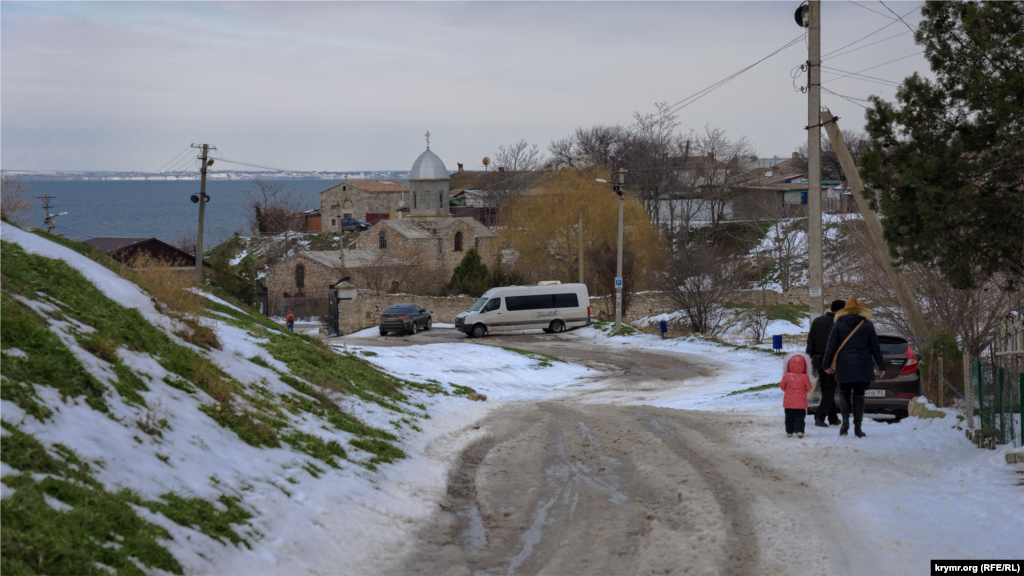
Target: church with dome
424	232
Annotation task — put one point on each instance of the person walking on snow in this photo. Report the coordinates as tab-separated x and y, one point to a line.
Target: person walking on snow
796	384
817	341
855	358
289	320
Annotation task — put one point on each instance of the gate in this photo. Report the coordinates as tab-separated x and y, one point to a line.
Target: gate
332	312
264	299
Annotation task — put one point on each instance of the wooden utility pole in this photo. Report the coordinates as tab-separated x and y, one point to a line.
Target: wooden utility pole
48	220
619	188
202	208
579	230
815	265
906	298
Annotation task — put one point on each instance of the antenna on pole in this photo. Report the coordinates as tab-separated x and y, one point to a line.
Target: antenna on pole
48	220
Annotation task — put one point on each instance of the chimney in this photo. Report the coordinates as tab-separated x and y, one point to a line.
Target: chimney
460	167
501	168
796	154
753	158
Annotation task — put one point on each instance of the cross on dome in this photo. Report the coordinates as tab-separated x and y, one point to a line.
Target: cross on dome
428	139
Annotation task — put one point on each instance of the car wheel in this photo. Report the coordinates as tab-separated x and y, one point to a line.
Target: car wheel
479	331
429	325
383	332
415	329
557	327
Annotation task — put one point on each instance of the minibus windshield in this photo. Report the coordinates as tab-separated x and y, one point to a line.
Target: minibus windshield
479	304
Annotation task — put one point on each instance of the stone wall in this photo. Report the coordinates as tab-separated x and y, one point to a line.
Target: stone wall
335	202
365	309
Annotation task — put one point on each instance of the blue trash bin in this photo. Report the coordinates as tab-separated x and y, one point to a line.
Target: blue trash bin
663	327
777	343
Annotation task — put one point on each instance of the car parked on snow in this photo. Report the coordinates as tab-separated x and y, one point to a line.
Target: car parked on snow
354	225
891	394
407	318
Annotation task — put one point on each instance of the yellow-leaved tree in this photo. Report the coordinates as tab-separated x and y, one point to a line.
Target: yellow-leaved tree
539	234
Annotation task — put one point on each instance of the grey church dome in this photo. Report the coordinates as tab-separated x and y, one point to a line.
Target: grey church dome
428	167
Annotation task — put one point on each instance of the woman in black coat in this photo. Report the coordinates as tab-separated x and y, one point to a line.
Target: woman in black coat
858	364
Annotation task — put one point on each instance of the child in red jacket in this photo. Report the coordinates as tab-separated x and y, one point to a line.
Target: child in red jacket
796	384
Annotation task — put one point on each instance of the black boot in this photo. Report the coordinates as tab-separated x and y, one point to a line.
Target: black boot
858	415
844	407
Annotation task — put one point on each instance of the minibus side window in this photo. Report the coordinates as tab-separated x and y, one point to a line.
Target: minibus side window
492	304
566	301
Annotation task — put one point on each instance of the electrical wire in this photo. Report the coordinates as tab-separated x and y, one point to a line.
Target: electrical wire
823	56
264	167
704	92
876	66
850	99
871	44
176	157
872	10
897	15
866	78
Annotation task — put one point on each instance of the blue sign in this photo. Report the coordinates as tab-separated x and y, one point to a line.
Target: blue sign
618	282
663	326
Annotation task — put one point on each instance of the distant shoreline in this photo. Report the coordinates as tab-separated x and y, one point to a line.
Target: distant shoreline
211	175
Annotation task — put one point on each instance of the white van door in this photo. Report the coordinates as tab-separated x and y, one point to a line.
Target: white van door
493	315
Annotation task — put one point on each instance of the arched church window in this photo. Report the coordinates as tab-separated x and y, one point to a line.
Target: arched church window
383	240
300	276
414	200
458	241
440	199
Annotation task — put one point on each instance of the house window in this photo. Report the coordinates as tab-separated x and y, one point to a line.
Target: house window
344	188
332	222
458	241
347	216
383	240
300	276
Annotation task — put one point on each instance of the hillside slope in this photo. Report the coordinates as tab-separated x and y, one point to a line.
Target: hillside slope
132	443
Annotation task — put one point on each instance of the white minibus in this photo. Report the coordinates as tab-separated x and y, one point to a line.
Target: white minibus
551	306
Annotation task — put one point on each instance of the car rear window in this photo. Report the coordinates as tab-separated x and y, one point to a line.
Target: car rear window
892	345
396	309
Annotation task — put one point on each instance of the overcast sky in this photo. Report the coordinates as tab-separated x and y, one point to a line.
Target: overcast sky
353	86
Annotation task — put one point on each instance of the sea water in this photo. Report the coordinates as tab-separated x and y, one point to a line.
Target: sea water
155	208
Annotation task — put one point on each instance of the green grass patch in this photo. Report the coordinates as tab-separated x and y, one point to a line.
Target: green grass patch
754	389
326	451
382	451
608	328
203	515
368	353
461	390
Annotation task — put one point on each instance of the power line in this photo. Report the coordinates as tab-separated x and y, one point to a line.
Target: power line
264	167
871	44
704	92
877	66
850	99
823	56
176	156
864	77
897	15
872	10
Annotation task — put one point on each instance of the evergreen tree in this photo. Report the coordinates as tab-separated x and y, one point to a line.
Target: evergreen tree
946	159
470	277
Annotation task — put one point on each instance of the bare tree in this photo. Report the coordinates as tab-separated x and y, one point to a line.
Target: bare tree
519	168
700	278
717	160
268	207
564	152
598	145
781	252
187	242
652	151
13	203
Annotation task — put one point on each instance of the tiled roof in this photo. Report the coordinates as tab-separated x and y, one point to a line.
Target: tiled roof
377	185
479	229
329	258
406	228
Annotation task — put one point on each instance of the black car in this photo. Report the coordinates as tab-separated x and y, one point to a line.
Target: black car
891	394
354	225
408	318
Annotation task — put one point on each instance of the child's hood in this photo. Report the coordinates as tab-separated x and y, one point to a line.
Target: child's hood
800	363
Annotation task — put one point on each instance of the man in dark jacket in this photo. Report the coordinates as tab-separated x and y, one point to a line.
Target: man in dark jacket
817	341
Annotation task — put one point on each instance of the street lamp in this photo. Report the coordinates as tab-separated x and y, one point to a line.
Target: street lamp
618	188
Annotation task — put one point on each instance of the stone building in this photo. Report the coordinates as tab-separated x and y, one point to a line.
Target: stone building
429	236
304	274
360	198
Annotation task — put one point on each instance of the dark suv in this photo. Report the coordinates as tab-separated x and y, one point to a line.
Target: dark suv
892	393
354	225
408	318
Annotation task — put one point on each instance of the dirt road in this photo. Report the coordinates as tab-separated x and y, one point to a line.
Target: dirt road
588	485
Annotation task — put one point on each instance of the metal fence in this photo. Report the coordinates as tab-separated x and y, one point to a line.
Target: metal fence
995	399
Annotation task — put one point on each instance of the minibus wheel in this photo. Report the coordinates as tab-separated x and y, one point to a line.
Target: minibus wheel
557	326
479	331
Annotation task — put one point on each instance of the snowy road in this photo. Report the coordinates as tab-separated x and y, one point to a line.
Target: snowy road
611	477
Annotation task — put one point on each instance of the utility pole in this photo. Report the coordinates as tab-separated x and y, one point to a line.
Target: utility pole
580	232
48	221
619	188
203	198
815	268
904	294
